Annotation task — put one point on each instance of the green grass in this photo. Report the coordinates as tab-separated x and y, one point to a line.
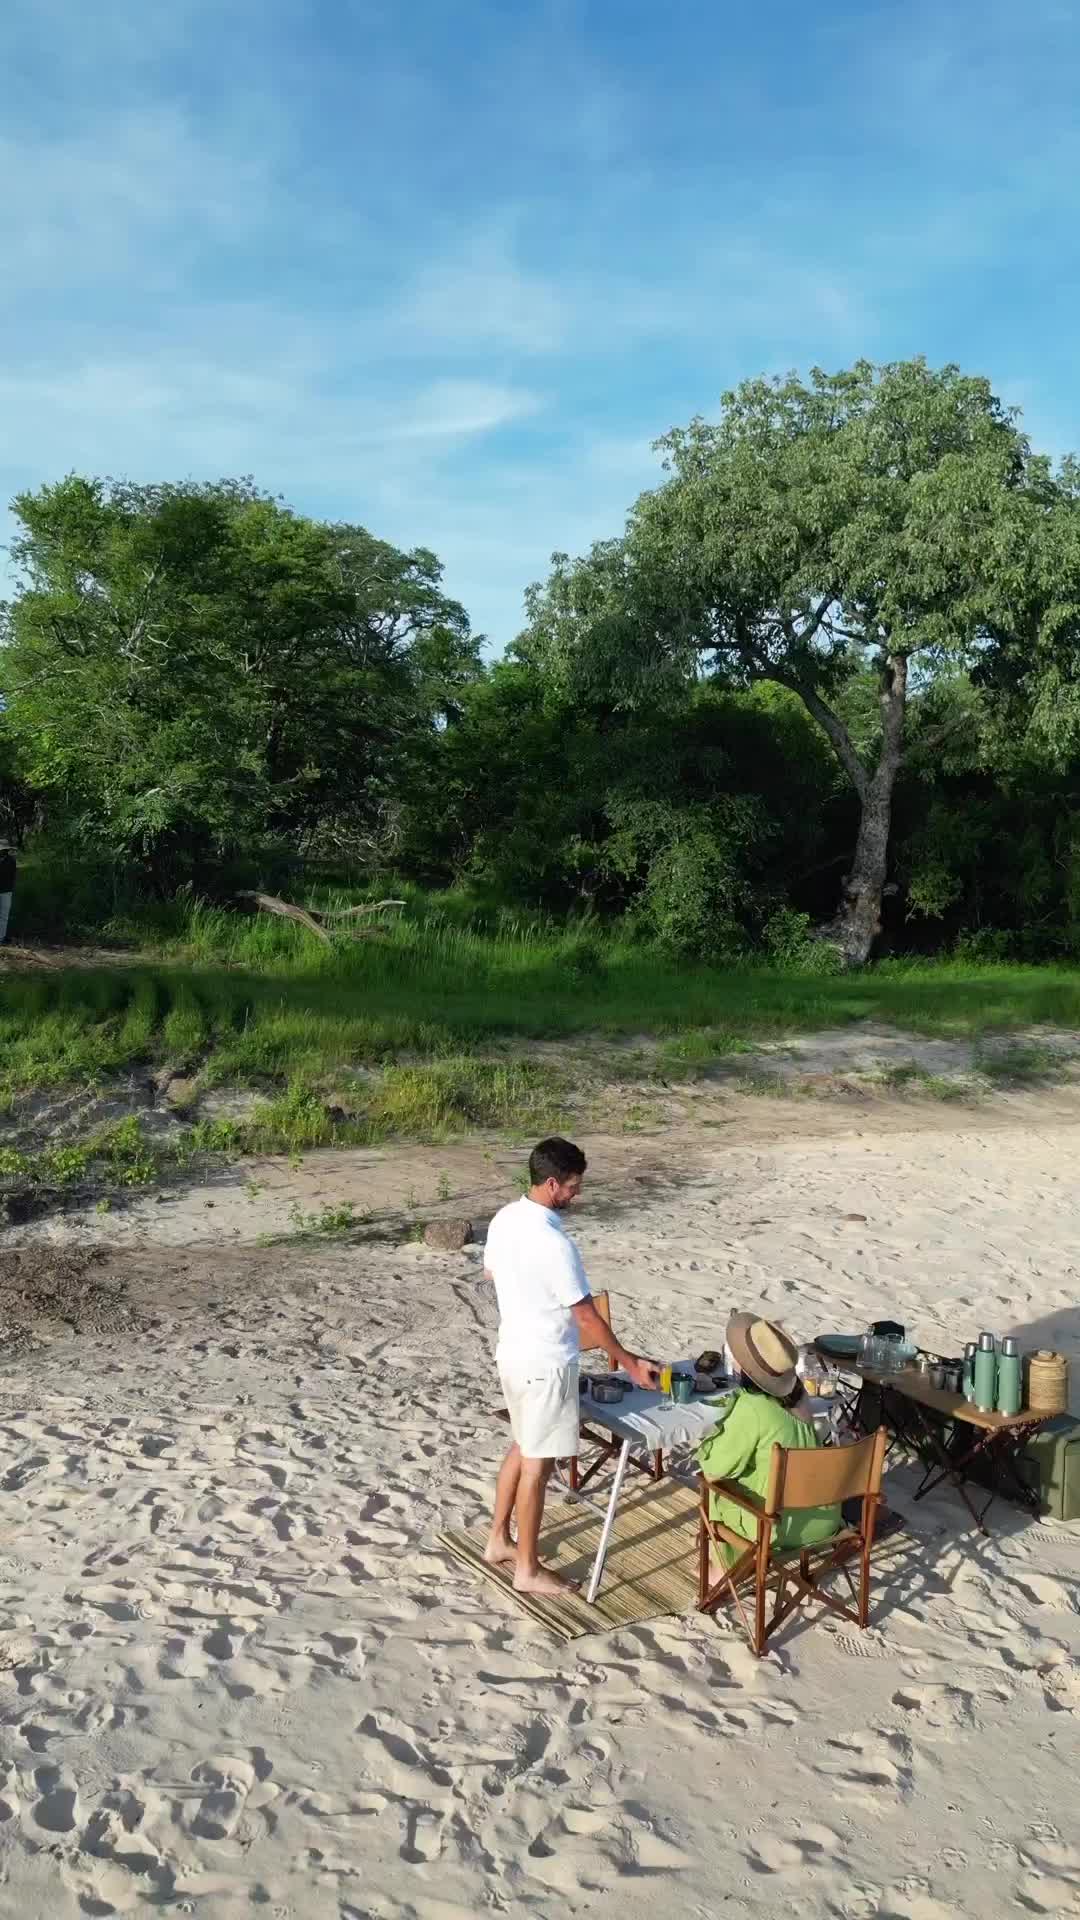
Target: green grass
331	1223
765	1085
908	1075
687	1054
427	1032
1022	1065
116	1156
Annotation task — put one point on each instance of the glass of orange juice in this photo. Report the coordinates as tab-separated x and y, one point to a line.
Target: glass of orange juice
665	1379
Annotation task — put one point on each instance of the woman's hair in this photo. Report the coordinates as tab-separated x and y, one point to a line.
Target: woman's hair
789	1400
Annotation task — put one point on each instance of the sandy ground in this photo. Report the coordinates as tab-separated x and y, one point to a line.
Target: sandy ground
237	1676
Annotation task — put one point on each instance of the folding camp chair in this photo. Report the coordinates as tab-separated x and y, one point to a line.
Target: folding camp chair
798	1478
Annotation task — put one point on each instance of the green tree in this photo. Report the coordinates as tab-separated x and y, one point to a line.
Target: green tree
881	520
193	670
696	819
17	803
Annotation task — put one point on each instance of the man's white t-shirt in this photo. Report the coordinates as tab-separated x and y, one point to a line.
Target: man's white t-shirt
539	1277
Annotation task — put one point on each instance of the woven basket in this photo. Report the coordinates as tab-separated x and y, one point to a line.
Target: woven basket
1048	1382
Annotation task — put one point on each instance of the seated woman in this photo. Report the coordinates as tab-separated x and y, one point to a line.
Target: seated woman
770	1409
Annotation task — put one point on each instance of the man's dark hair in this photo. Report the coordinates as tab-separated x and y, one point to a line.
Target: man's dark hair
555	1159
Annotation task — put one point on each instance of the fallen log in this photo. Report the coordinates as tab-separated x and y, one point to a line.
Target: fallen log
313	919
352	913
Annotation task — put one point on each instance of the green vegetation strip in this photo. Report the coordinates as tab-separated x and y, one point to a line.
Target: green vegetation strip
427	1032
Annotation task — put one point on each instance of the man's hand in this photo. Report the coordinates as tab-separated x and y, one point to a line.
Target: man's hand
643	1373
595	1332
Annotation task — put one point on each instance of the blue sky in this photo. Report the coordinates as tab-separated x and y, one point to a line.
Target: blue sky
447	267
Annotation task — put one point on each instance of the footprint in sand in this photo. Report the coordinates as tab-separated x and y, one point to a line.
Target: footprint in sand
1061	1686
1052	1875
423	1835
945	1709
868	1764
861	1646
57	1808
1044	1591
808	1847
114	1831
911	1900
228	1781
1048	1853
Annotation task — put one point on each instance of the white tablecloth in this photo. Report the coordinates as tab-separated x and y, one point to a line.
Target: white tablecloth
645	1416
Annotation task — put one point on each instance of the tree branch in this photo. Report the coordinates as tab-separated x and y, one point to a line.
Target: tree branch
830	723
930	742
818	620
760	667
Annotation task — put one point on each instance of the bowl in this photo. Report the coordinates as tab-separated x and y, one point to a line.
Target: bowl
608	1392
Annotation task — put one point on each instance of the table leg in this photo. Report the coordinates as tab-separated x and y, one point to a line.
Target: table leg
1010	1443
1002	1447
609	1522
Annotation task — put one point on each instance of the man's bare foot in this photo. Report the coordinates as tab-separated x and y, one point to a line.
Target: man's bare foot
543	1581
500	1553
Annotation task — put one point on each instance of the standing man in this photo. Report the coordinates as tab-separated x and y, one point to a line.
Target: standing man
7	887
545	1308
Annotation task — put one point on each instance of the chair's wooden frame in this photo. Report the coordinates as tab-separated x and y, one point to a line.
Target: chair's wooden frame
798	1478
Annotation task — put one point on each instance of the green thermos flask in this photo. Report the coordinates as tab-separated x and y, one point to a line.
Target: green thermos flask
1009	1390
986	1373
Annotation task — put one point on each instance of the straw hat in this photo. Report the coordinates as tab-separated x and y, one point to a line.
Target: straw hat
764	1352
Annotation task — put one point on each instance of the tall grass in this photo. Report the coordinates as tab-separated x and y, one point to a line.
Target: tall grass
258	1001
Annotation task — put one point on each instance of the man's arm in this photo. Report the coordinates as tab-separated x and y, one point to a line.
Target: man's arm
595	1332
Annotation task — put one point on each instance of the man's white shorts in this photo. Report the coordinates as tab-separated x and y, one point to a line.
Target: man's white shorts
543	1409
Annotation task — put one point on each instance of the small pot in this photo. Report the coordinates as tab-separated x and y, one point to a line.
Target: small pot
608	1392
936	1376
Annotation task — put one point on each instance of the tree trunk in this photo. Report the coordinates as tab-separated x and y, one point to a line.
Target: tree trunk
857	922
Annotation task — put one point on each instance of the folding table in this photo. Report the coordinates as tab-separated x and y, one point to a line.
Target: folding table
948	1435
645	1422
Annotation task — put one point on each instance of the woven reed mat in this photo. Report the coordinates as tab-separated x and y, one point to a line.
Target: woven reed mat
651	1566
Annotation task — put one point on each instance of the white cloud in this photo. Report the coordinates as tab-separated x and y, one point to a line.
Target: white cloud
138	194
482	298
458	409
182	412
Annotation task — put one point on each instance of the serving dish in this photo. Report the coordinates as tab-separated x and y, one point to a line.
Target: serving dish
608	1393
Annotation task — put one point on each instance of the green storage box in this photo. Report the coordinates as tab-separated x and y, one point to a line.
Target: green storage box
1051	1462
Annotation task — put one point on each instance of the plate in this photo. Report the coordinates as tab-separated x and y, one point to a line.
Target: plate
838	1346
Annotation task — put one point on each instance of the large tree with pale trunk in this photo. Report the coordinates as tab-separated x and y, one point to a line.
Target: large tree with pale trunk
888	518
